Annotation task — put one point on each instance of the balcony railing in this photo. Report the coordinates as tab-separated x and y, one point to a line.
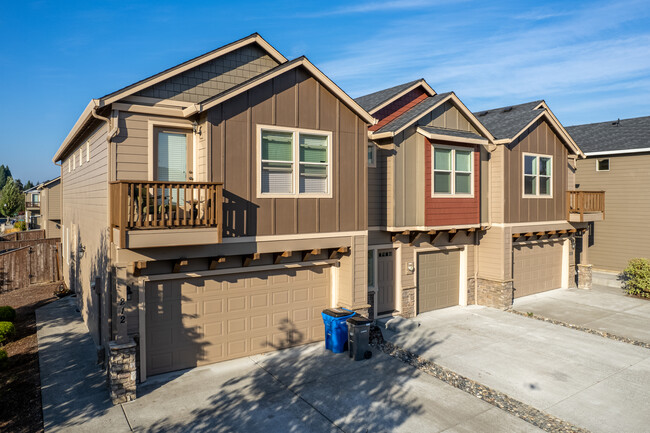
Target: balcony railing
165	205
32	204
581	203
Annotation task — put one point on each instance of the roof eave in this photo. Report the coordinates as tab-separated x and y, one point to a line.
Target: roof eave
85	116
422	82
617	152
455	139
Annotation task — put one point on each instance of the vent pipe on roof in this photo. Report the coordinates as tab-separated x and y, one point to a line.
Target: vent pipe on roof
617	123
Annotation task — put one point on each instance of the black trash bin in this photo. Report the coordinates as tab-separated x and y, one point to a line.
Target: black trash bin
359	338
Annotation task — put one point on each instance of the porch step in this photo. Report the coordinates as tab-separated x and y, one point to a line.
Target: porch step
605	278
397	324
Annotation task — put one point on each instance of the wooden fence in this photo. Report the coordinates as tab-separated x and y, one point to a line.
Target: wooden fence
37	262
29	235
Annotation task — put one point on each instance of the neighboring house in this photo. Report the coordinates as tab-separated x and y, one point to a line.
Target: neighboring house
43	208
618	162
213	210
533	212
425	159
33	217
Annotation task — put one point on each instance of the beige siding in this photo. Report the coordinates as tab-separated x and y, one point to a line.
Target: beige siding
447	116
409	179
622	235
214	77
538	139
85	218
495	254
496	171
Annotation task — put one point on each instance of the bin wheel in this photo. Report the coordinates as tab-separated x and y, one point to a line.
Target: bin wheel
367	354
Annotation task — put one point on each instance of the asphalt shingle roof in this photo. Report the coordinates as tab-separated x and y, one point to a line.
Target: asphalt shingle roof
506	122
414	113
628	134
372	100
450	132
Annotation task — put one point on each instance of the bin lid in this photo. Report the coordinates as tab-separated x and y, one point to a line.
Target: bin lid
358	321
337	312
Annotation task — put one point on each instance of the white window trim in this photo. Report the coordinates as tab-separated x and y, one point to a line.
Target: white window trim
373	163
69	165
81	156
87	151
523	176
609	162
74	161
296	162
151	125
453	171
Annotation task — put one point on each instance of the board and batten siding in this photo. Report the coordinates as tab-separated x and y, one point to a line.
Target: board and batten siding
85	218
447	116
538	139
293	100
408	164
378	188
622	235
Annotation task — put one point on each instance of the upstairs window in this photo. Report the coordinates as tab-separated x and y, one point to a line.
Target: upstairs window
372	155
294	162
602	164
537	175
452	171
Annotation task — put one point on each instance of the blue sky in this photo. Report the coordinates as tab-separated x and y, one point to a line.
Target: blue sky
589	60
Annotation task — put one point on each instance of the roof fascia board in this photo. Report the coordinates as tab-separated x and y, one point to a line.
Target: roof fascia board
422	83
81	121
617	152
455	139
192	64
146	109
329	84
156	101
469	115
563	130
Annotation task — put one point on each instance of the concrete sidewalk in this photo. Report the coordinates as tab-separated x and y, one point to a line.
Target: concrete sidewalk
302	389
602	308
590	381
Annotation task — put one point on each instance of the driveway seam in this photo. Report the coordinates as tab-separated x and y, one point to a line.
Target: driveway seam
298	395
530	414
128	422
603	334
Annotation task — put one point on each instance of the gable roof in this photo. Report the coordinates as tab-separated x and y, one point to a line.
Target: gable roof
91	109
508	123
451	134
622	136
377	100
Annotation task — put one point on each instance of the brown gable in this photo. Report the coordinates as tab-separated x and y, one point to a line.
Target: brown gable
399	107
213	77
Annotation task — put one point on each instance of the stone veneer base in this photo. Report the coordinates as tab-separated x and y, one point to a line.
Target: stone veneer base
408	303
122	373
491	293
584	276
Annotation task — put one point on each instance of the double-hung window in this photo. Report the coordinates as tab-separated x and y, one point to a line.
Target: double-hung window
452	171
537	175
294	162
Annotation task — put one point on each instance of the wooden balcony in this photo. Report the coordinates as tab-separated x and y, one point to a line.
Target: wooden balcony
32	205
156	212
585	206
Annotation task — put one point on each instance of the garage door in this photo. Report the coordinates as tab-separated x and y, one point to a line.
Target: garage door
537	267
199	321
438	275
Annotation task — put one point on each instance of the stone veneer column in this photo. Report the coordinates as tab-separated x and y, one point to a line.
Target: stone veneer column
495	294
371	301
584	276
122	374
408	302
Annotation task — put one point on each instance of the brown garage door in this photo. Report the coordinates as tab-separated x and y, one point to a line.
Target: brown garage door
438	275
199	321
537	267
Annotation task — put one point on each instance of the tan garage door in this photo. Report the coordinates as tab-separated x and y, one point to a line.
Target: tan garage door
537	267
438	275
199	321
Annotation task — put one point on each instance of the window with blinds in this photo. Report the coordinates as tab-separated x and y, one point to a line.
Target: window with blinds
294	162
172	157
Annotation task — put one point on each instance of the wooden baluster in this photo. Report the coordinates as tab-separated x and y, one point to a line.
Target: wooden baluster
178	211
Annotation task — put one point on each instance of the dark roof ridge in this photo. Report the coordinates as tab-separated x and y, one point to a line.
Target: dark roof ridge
490	110
609	121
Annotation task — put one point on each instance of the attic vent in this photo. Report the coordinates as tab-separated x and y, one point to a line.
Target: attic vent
505	110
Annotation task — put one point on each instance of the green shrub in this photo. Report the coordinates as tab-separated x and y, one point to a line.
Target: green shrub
7	331
20	225
636	278
3	359
7	314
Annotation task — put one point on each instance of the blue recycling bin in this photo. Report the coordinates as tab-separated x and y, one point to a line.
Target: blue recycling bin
336	328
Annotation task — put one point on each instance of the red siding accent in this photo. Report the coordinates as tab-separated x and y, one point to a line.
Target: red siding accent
451	211
399	107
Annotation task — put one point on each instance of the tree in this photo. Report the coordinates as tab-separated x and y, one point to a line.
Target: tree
5	174
28	185
12	198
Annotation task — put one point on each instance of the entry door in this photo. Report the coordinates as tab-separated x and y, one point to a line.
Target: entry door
385	281
173	156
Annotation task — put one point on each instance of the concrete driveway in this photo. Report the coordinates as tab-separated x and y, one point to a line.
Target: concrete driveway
602	308
294	390
593	382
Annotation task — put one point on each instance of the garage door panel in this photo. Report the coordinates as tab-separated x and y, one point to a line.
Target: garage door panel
226	317
438	280
537	267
